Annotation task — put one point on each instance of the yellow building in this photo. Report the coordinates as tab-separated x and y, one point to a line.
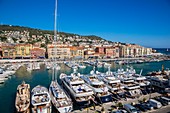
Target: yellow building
23	50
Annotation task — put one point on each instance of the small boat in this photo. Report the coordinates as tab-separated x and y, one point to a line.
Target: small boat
36	66
22	101
167	49
40	100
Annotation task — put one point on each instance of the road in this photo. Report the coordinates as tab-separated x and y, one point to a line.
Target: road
107	106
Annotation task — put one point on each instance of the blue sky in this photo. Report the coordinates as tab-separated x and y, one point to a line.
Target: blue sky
145	22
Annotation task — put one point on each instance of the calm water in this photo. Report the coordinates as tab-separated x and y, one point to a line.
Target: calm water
43	77
163	50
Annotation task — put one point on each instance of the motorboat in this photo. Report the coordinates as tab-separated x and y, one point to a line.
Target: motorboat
40	100
22	101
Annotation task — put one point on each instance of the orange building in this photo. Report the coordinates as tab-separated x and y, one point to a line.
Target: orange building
77	52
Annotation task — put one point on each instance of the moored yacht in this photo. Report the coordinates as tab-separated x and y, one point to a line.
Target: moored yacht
113	83
100	89
141	80
60	99
22	101
132	88
80	92
40	100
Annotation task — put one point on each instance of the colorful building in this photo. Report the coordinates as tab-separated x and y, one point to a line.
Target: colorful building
100	51
77	52
8	51
59	52
23	50
37	53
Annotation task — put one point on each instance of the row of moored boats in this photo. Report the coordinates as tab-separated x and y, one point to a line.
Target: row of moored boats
83	90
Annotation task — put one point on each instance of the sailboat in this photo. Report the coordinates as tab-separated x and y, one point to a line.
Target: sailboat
60	99
167	49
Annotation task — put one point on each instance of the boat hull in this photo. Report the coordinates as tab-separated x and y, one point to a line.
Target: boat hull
41	110
26	111
104	99
64	109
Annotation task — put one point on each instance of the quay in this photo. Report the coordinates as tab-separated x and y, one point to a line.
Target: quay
108	107
59	61
144	59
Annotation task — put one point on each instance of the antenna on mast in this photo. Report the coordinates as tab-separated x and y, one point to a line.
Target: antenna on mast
55	22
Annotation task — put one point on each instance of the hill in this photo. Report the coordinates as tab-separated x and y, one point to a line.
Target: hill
40	32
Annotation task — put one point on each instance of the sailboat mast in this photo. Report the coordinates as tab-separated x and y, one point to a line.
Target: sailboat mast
55	23
55	39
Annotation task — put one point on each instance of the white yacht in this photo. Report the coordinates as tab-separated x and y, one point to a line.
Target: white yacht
141	80
113	83
100	89
80	92
60	99
40	100
132	88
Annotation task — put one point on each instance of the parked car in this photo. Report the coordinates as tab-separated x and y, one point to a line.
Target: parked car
166	100
141	107
161	101
148	106
121	111
130	108
155	103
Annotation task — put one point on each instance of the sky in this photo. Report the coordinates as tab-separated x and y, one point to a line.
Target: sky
144	22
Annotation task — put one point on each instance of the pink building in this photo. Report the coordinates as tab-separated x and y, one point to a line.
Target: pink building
38	53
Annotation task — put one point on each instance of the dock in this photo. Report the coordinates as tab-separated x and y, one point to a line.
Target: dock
108	107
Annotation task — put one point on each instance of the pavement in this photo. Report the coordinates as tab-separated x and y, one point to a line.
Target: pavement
164	109
108	106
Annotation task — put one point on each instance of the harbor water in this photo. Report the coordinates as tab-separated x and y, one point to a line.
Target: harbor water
43	77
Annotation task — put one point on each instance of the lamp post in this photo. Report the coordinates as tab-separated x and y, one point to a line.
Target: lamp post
150	91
